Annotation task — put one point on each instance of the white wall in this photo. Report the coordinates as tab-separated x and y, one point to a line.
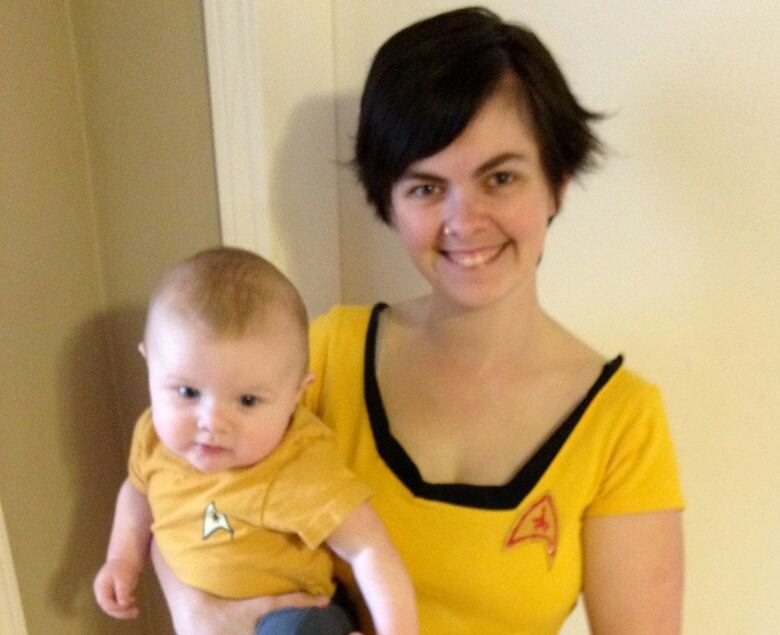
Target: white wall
668	254
272	85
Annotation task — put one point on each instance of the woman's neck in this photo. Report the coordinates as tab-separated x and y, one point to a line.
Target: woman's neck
511	328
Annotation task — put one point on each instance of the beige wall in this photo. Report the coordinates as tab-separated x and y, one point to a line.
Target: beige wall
106	176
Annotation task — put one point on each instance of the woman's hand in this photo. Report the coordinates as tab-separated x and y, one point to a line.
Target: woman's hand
197	612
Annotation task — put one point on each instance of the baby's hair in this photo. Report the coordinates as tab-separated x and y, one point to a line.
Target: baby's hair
230	291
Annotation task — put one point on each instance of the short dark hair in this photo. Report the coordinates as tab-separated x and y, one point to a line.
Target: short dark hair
428	81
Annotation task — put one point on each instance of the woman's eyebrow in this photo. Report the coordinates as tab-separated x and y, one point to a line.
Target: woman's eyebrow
419	175
488	165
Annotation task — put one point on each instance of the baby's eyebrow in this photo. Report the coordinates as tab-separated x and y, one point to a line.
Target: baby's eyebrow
175	378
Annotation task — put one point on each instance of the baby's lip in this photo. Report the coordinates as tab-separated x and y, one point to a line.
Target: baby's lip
210	449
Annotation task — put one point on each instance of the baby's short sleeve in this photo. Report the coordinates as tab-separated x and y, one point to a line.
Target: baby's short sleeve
313	492
141	448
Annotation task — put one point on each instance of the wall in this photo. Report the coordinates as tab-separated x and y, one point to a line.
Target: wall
271	73
669	253
145	99
107	177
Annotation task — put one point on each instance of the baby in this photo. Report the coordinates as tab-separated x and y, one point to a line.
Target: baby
241	486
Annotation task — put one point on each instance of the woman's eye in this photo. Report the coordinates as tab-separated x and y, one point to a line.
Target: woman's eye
423	191
249	400
501	178
188	392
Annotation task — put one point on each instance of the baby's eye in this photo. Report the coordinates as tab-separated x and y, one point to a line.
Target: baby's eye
188	392
249	400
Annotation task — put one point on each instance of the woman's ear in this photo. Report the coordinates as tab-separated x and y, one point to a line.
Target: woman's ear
560	192
562	189
390	220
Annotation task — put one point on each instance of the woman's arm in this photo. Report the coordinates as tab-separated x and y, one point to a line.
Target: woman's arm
633	573
384	583
196	612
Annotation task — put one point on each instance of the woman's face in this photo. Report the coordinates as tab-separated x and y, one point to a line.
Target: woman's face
474	215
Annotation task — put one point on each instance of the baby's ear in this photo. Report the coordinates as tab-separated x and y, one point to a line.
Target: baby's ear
308	378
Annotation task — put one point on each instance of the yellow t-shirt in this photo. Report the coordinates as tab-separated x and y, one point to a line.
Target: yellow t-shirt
495	560
255	530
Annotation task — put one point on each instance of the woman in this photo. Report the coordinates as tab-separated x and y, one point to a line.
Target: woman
513	465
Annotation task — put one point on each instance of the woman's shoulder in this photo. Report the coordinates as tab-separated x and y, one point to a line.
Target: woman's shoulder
336	349
617	387
628	401
342	314
341	325
629	383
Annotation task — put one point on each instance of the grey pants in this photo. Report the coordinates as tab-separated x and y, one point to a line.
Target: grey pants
328	620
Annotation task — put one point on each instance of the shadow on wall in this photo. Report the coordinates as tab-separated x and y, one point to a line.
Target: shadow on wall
303	200
104	380
352	246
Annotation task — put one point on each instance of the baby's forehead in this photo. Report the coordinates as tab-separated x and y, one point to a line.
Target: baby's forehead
276	323
273	320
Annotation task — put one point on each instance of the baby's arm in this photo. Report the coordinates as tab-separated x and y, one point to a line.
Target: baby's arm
115	583
362	541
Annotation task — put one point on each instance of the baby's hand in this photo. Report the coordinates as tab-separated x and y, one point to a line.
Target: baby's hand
114	588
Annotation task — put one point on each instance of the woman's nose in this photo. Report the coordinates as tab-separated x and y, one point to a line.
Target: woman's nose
464	213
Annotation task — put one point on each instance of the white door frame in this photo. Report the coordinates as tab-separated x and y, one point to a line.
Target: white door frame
235	81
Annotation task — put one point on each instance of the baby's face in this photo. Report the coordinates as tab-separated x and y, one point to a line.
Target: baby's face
222	403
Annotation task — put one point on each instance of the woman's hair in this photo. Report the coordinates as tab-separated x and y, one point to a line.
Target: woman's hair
428	81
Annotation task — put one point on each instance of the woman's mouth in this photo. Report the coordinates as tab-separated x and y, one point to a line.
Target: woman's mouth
473	258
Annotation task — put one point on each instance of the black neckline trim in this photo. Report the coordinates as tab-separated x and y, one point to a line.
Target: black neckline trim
507	496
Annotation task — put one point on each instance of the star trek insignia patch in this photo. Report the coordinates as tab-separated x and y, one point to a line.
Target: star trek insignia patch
214	520
539	523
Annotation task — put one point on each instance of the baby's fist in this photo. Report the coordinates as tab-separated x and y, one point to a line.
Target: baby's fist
114	589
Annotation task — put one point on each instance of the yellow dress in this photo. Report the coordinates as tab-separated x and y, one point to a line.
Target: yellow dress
495	560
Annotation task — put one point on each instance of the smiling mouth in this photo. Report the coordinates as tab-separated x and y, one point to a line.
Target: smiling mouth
474	258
